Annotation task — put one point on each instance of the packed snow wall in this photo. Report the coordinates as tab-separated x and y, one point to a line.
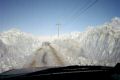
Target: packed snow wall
95	46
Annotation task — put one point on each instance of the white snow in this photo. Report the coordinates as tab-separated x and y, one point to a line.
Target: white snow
95	46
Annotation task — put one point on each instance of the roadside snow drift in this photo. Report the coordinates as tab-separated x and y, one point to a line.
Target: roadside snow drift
95	46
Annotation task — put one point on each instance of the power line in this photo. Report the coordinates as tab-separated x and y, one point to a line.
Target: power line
77	10
80	9
89	6
83	10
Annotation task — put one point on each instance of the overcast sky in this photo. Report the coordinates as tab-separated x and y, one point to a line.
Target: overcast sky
40	17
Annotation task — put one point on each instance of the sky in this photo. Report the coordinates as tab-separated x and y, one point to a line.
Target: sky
40	17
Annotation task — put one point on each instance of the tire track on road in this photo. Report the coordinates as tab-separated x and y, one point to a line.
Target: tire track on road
45	53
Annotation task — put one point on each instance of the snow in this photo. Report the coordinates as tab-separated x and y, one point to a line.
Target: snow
95	46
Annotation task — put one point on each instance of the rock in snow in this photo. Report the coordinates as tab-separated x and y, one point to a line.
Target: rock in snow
95	46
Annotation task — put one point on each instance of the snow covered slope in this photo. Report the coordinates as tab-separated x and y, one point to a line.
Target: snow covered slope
95	46
15	46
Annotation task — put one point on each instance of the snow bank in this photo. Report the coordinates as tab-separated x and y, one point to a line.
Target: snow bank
15	46
95	46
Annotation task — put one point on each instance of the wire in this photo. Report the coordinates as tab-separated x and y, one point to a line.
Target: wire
72	12
89	6
77	10
82	10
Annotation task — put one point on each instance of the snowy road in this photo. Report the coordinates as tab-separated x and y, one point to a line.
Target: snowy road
95	46
46	56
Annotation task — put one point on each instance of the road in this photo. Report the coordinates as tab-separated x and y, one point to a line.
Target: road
46	55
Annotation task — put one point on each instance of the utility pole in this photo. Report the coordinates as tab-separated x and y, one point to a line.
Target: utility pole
58	26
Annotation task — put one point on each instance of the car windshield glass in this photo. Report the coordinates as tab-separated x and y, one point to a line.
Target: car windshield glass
58	33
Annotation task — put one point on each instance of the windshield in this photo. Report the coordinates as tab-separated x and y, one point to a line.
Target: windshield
45	33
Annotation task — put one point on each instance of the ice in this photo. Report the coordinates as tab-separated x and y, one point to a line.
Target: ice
95	46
